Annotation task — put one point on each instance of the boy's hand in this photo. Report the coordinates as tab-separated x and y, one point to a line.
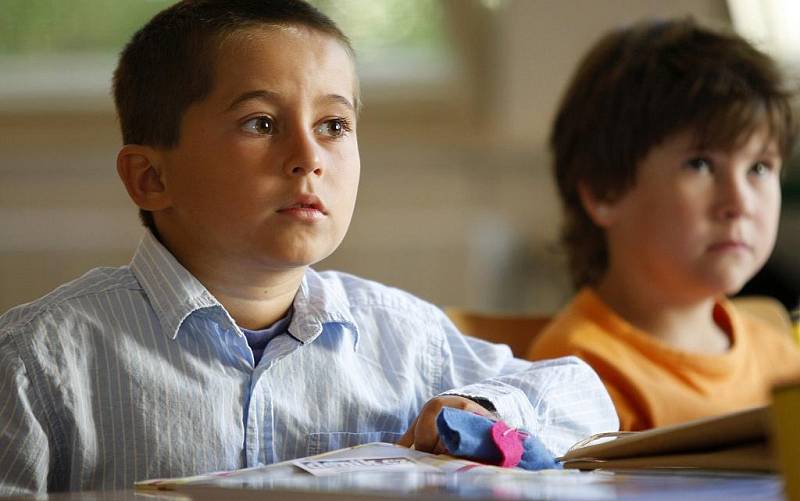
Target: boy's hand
422	433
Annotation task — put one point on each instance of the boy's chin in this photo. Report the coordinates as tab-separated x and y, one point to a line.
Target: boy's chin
732	285
733	290
297	249
294	260
725	279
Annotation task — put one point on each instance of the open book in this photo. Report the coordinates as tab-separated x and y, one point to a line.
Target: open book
374	457
387	472
736	441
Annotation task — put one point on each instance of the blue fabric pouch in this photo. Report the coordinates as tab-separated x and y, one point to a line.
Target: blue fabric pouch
468	435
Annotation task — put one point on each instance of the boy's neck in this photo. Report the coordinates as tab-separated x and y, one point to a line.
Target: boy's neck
254	296
686	324
255	299
256	307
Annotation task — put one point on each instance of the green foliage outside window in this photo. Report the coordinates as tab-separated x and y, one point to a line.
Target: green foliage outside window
377	26
36	27
29	27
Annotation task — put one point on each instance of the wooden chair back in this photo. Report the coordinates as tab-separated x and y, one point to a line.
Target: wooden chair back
767	309
517	331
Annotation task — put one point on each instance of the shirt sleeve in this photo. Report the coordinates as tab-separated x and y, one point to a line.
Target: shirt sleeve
560	401
24	450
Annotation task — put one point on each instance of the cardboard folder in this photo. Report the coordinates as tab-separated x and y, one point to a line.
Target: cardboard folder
736	441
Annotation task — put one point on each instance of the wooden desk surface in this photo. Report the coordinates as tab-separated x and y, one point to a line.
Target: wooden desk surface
558	485
126	495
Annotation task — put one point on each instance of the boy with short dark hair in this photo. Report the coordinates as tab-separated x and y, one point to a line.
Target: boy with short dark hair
219	347
668	148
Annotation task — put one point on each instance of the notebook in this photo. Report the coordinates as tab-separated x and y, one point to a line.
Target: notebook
736	441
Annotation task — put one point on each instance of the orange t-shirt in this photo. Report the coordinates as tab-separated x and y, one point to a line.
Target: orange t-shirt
653	384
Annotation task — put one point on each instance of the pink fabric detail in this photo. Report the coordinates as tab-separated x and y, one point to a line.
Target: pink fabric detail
509	443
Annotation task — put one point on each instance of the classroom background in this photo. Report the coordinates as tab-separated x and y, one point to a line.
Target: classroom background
456	202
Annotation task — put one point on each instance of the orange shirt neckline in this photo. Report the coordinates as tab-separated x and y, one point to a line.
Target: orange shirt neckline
589	303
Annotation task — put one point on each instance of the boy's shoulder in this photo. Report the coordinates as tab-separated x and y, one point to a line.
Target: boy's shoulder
73	295
362	293
584	325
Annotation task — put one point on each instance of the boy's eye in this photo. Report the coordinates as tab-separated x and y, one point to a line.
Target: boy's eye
260	125
336	127
700	164
761	168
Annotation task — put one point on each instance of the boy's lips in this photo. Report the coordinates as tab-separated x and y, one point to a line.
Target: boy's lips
730	245
305	203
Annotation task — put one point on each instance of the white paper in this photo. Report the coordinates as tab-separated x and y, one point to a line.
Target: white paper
322	467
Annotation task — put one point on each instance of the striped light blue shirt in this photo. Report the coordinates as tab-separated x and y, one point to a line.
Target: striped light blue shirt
138	372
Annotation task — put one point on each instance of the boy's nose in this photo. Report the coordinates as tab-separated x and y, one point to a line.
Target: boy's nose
303	157
735	198
305	167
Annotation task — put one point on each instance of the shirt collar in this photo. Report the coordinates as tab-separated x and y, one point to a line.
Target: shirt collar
173	292
321	301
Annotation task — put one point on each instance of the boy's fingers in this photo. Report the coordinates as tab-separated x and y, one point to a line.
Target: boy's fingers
440	447
407	440
426	435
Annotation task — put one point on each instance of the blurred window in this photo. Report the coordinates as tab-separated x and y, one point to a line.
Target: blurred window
772	26
38	27
381	28
68	48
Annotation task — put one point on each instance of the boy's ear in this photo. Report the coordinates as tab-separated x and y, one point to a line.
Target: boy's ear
138	167
601	211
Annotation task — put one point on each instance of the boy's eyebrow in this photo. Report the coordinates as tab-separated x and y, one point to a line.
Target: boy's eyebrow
267	95
336	98
770	148
264	95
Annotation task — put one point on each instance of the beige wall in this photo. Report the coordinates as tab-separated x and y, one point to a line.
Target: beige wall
456	204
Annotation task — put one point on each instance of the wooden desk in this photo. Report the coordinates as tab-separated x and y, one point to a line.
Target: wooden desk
555	485
126	495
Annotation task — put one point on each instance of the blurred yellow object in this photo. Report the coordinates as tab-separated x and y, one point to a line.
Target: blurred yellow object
796	322
767	309
786	436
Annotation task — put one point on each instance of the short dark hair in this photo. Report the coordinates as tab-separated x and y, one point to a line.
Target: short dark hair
169	63
636	87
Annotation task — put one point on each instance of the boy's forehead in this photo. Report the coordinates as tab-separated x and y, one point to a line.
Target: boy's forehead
267	32
270	43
